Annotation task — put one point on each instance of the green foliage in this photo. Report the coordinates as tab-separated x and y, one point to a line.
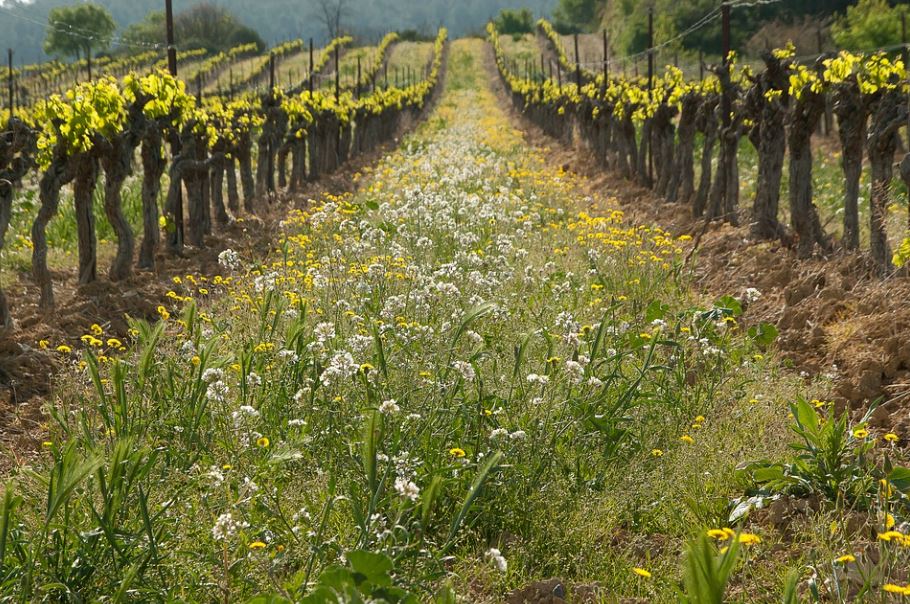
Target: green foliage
151	30
869	25
514	21
835	459
575	15
77	30
707	572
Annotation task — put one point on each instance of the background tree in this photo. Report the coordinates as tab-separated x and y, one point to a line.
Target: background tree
75	31
151	30
212	27
870	24
513	21
331	13
577	15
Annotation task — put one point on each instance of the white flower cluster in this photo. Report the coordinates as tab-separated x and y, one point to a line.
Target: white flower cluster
229	259
226	527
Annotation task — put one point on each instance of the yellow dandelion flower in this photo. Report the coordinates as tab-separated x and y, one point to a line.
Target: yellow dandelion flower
891	437
687	439
641	572
657	453
457	452
262	442
749	538
846	559
257	545
860	433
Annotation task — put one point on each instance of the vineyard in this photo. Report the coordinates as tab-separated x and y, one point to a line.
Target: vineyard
483	320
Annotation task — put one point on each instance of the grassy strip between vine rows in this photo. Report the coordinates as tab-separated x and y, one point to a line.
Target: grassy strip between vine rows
462	378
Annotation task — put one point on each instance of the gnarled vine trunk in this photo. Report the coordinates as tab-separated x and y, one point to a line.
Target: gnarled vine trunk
852	116
888	114
59	173
153	166
806	110
87	172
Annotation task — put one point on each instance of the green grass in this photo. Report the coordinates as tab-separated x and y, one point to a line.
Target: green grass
464	377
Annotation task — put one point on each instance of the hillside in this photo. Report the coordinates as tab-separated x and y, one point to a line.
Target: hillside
367	18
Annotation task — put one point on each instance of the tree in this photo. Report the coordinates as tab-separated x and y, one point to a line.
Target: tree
75	31
331	14
869	25
512	21
151	30
576	15
212	27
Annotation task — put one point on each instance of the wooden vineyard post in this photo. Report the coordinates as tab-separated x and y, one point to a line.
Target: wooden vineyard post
310	72
271	73
577	66
337	74
10	81
176	240
650	140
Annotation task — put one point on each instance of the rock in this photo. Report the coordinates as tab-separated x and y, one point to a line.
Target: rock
550	591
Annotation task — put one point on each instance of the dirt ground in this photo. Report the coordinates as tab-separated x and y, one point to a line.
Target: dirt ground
835	317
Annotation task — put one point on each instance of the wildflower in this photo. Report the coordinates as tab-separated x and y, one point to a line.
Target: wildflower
721	534
749	538
341	367
889	536
642	572
657	453
324	331
212	374
262	442
845	559
229	259
257	545
96	329
860	433
457	452
533	378
518	435
389	407
465	369
891	437
217	391
407	489
575	372
498	559
751	295
226	527
64	349
687	439
897	589
889	521
700	419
